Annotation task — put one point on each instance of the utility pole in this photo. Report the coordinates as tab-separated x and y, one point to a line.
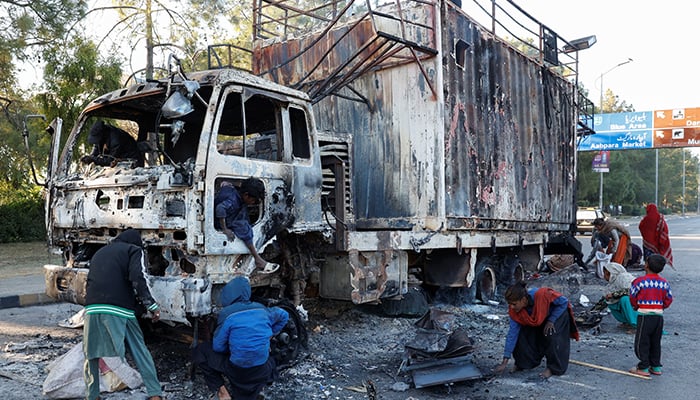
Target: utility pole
629	60
656	181
683	175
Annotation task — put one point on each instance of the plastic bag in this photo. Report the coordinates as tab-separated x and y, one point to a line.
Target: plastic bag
602	260
65	378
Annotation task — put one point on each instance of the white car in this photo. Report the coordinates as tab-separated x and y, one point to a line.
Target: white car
585	218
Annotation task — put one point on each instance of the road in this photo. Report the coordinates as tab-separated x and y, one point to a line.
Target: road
679	347
30	339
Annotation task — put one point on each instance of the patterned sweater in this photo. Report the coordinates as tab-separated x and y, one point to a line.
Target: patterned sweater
650	294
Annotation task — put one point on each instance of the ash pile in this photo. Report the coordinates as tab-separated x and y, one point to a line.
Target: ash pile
580	287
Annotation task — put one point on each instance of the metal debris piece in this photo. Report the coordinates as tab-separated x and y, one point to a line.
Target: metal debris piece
371	390
436	319
452	371
439	354
589	320
356	389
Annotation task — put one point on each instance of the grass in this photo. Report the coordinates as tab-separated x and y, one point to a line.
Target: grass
24	259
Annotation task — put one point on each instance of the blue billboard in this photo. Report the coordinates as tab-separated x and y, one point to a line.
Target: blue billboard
619	131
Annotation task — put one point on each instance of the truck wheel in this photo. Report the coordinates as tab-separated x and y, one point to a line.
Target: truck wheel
518	273
288	343
485	284
413	304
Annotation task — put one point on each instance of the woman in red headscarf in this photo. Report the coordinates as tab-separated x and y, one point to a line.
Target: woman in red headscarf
654	232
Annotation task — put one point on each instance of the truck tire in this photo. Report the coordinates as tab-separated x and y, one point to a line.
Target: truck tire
288	343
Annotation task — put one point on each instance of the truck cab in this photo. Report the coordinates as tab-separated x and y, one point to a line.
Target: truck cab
194	132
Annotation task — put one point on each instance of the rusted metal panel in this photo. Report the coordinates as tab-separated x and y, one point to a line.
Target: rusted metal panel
364	276
496	152
375	38
395	146
287	63
509	135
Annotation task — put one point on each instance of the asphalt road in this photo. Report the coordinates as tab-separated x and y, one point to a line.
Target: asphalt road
680	348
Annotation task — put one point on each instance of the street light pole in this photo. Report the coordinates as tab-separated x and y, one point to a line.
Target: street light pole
629	60
600	192
656	179
600	110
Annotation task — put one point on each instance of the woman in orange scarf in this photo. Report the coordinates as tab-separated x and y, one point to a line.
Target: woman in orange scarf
654	232
541	326
620	240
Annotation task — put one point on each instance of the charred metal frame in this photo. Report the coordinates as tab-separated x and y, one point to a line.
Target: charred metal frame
378	51
282	18
552	50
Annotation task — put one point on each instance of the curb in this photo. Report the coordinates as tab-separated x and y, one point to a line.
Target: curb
25	300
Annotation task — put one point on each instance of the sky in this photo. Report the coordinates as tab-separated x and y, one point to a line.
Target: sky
659	37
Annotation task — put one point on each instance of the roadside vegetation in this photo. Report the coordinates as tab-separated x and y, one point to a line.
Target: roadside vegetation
22	217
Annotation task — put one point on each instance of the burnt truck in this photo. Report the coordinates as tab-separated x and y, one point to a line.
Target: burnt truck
400	144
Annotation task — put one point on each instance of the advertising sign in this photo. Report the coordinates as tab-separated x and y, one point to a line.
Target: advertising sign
601	161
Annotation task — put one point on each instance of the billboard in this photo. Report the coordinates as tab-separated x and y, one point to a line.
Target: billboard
678	127
601	161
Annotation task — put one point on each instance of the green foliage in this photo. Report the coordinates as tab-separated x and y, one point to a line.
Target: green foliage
631	181
15	170
27	29
21	216
221	22
74	75
613	104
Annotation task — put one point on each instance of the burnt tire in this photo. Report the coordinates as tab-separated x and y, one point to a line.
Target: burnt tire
286	346
485	284
413	304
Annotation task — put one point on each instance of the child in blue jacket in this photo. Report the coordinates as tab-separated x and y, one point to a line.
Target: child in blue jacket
240	349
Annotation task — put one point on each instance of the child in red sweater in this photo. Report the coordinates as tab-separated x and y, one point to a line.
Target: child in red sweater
650	295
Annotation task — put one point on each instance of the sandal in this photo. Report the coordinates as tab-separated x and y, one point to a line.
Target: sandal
270	268
640	372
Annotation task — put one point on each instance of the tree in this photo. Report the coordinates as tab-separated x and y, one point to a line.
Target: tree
27	28
631	181
183	29
74	75
137	19
612	103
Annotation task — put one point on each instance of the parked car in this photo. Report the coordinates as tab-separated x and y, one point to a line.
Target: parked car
585	217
